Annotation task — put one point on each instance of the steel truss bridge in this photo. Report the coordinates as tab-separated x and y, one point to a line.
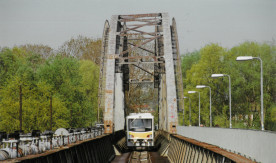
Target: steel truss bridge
140	56
146	42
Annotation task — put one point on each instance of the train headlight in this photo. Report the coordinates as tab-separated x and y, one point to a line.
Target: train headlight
149	136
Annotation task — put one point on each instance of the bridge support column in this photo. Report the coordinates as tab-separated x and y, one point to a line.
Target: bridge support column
172	117
119	119
110	76
163	104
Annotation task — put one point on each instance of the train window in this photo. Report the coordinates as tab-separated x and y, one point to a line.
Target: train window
140	125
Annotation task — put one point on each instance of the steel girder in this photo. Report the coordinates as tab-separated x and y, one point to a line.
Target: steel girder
122	30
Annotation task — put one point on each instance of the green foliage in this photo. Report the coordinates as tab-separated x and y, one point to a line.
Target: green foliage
245	85
89	89
70	83
270	119
188	60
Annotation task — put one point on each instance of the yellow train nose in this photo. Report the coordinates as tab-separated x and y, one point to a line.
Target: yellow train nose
140	135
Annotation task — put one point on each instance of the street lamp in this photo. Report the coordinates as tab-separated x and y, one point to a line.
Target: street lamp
246	58
189	111
222	75
205	86
190	92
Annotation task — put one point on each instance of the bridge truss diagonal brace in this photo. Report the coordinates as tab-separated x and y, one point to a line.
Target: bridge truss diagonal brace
172	117
110	76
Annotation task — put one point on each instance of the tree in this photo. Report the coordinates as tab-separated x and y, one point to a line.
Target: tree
42	90
246	81
89	72
16	86
82	48
211	61
61	74
43	50
245	84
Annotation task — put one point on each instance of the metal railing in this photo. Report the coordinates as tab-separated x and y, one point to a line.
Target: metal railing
17	144
183	149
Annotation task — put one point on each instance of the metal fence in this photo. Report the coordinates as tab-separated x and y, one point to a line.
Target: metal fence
254	144
18	144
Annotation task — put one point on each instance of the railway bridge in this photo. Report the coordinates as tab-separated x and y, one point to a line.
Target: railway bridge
140	72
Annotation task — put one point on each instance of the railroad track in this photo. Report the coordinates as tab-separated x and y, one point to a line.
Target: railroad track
139	157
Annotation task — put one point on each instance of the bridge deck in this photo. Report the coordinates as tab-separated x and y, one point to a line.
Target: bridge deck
173	147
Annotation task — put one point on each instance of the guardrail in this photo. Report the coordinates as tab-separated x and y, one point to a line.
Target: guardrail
99	149
184	149
17	144
181	149
254	144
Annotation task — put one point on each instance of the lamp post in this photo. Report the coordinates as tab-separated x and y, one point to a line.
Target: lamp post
246	58
184	109
222	75
189	111
190	92
205	86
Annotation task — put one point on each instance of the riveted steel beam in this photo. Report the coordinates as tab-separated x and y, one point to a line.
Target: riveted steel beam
140	15
178	71
142	48
145	33
139	62
139	45
143	69
138	26
110	76
155	58
140	20
102	75
170	76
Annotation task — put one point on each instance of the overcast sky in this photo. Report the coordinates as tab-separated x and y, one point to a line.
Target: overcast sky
199	22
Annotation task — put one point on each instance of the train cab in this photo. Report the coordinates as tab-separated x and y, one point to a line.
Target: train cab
140	130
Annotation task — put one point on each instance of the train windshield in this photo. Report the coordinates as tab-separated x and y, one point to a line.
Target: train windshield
140	125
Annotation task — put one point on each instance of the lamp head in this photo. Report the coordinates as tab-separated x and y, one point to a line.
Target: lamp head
217	75
244	58
192	92
201	86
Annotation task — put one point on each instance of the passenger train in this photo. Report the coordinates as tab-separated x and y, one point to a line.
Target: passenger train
140	130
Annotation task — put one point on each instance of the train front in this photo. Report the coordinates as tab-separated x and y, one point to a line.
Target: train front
140	130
